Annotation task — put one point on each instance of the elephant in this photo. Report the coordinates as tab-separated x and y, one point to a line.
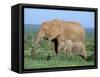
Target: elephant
79	48
66	46
72	48
56	30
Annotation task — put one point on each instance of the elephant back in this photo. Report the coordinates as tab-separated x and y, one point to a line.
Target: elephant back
74	31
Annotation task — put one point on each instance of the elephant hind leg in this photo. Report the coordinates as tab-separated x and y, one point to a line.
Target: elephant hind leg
79	48
83	53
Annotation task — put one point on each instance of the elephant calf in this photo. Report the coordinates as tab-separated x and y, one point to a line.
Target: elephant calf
72	47
65	45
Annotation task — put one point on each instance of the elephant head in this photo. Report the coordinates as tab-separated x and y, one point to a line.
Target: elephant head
48	30
42	33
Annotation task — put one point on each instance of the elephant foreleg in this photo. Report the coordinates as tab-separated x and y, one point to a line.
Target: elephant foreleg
55	46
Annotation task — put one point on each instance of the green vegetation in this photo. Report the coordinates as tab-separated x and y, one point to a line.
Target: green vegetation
39	58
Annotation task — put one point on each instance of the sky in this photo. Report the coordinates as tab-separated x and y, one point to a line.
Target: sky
37	16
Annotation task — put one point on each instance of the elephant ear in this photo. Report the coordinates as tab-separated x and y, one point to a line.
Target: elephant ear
55	30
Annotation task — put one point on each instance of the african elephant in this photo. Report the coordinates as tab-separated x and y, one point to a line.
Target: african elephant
79	48
51	30
66	46
72	48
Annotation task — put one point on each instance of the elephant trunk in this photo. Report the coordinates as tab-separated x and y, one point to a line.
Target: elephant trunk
37	41
38	38
36	45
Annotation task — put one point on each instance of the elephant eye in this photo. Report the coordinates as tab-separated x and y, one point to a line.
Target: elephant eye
45	38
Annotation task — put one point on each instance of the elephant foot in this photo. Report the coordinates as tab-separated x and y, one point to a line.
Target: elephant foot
85	58
48	57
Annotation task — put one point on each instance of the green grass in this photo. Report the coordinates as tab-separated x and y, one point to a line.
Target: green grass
58	61
39	57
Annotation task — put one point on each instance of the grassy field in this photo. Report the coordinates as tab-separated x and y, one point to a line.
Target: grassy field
38	59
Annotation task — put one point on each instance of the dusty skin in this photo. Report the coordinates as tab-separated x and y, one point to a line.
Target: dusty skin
57	30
